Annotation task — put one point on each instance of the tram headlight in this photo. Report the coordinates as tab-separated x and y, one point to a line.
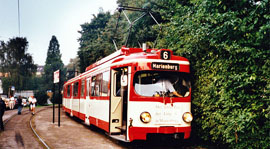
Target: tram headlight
187	117
145	117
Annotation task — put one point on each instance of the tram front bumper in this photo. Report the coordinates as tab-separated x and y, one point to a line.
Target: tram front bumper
140	133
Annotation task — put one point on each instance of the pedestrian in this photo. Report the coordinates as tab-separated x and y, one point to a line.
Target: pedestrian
20	106
2	111
32	100
11	103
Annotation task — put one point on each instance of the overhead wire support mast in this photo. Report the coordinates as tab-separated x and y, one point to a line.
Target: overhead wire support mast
19	24
144	13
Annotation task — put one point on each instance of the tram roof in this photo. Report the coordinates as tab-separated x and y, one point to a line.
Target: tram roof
134	53
130	54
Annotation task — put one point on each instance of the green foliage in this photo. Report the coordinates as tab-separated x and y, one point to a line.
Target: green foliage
97	36
17	63
227	43
6	83
41	97
72	68
94	40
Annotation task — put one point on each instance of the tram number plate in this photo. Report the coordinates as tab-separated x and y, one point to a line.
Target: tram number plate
165	66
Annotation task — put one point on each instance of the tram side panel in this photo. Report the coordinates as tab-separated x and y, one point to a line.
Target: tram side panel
75	102
82	101
72	100
99	113
99	100
67	98
67	105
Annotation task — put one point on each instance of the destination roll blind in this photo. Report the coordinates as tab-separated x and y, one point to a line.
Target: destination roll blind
165	66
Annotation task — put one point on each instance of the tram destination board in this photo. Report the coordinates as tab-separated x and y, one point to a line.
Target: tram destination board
165	66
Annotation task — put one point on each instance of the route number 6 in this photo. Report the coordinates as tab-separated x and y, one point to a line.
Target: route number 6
165	55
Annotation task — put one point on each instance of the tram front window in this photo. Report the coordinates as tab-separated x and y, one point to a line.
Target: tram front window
162	84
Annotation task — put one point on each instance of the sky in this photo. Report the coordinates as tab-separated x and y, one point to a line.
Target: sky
41	19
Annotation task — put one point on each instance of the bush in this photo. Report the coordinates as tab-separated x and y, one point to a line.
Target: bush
228	46
41	97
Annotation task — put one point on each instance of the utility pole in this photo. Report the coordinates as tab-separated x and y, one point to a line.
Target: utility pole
19	21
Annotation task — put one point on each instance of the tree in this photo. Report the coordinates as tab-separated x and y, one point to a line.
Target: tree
72	68
53	63
17	63
93	40
96	39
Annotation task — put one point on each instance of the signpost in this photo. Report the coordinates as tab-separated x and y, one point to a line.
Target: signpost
56	76
57	79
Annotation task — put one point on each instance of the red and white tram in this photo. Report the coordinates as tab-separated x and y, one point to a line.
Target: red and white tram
124	94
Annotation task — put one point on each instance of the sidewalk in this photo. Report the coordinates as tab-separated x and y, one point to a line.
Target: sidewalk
70	134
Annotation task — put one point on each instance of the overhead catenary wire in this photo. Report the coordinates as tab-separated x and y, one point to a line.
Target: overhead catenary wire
131	23
19	21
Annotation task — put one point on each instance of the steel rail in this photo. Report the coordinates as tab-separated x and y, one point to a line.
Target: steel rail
40	139
31	126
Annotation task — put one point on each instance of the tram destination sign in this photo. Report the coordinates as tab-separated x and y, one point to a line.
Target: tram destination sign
165	66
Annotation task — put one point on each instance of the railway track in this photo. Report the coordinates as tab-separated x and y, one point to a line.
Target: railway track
14	128
35	132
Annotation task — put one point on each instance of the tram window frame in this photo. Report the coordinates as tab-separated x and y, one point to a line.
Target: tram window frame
96	85
149	80
88	85
65	91
76	89
82	88
117	77
68	90
99	85
93	80
104	83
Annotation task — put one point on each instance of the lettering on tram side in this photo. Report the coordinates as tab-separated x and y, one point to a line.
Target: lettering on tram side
165	66
166	114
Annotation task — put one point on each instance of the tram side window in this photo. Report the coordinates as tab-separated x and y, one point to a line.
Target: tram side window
105	82
93	85
82	88
118	85
68	91
99	84
96	85
75	89
88	87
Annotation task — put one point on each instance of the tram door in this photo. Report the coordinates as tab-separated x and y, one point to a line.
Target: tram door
118	103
